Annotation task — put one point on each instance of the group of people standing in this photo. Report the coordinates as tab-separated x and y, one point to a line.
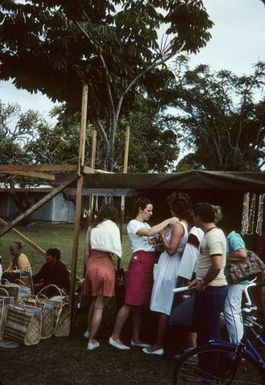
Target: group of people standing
194	249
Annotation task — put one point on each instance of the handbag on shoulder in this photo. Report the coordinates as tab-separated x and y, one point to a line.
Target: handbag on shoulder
245	269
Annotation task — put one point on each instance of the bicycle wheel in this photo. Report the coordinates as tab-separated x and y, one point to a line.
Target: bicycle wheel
215	365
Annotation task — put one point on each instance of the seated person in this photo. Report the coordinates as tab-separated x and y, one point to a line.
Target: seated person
52	272
19	264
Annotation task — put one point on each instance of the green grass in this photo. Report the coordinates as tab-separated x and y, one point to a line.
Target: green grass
48	235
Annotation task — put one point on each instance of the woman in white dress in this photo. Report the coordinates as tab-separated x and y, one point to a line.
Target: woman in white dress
165	272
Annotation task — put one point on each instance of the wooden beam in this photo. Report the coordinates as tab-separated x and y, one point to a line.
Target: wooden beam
24	238
38	167
39	204
29	174
90	170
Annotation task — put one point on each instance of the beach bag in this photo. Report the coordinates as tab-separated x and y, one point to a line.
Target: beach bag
182	310
15	290
46	307
5	300
61	310
22	323
245	268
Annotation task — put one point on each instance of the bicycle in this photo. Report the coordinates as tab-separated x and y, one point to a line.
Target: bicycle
223	363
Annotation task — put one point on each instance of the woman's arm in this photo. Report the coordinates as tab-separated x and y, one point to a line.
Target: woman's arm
237	255
157	228
176	234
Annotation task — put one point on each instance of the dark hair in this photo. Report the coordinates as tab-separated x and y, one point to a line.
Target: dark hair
141	203
208	212
180	203
17	244
55	253
107	211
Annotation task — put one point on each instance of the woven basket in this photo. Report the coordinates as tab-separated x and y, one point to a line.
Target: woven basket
5	300
61	311
22	324
15	290
47	315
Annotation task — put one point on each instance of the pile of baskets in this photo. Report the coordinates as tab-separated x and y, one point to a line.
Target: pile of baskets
26	318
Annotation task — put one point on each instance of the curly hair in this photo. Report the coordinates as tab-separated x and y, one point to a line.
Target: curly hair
141	204
181	205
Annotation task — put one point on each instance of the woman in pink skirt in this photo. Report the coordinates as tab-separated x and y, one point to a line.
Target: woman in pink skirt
102	241
140	273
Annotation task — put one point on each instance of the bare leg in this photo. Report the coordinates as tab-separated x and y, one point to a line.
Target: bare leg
121	318
97	316
161	332
90	315
192	340
136	323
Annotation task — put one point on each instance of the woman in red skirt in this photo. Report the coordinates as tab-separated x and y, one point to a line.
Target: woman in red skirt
140	273
102	241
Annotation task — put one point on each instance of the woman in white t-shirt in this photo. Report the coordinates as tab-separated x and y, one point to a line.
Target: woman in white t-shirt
140	273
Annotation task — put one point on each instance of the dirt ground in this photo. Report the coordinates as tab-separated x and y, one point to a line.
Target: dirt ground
65	361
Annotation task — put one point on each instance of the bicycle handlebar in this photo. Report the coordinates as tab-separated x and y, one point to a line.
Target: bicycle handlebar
251	284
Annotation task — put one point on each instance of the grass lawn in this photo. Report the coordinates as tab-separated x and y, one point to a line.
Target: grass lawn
48	235
64	360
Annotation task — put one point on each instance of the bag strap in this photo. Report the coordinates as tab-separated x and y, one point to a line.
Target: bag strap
60	291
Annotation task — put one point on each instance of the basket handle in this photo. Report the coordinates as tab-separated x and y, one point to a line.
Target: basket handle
4	291
48	286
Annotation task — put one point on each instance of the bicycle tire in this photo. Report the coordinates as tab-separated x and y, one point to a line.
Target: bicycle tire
216	365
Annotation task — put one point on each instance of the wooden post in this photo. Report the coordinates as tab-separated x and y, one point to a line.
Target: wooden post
125	170
78	199
92	164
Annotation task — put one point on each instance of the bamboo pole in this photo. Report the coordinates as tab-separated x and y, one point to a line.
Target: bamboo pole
78	200
37	205
25	239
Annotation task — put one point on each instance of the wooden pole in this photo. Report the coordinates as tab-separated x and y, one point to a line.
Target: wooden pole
125	170
37	205
25	239
92	164
78	200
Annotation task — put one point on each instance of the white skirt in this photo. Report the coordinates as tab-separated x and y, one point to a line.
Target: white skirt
165	279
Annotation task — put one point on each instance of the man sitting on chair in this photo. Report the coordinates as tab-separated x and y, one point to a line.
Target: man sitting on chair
52	272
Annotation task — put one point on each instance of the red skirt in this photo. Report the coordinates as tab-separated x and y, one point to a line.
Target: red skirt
100	275
140	279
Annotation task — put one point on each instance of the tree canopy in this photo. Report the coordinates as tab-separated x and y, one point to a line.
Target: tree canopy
221	117
56	46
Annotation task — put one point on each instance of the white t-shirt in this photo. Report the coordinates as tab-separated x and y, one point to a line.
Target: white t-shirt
213	243
138	242
106	237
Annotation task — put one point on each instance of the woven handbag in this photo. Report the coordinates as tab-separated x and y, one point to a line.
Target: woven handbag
5	300
22	324
47	314
245	269
61	311
15	290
